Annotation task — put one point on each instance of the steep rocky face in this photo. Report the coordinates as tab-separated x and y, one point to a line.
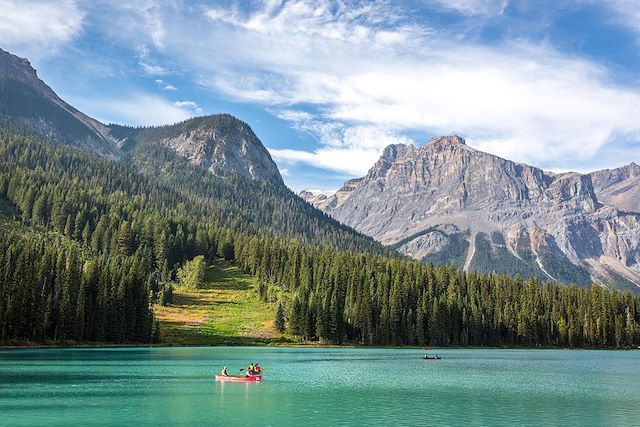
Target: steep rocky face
447	202
220	143
27	101
619	187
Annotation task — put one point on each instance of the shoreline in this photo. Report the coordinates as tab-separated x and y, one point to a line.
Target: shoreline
293	345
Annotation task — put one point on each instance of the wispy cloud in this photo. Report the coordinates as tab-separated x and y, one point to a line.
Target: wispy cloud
147	64
38	28
192	105
472	7
627	12
166	86
135	109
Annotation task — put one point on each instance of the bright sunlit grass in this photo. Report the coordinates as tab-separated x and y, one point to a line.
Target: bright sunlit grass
227	311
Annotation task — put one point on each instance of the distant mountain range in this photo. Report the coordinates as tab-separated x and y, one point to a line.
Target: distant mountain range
446	202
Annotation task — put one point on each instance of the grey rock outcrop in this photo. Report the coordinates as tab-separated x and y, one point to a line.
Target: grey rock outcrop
220	143
619	187
446	202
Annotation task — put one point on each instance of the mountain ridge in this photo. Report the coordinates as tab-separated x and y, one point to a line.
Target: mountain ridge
27	100
448	202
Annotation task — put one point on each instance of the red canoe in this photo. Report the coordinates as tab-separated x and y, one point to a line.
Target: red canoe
253	378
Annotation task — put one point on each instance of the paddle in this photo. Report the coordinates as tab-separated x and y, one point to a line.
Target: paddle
261	369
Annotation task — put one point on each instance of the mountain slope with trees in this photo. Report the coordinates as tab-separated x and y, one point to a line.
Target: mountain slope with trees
138	229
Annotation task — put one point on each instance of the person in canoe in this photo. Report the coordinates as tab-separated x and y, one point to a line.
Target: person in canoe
251	370
254	370
224	372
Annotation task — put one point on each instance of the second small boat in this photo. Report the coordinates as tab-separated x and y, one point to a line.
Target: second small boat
429	357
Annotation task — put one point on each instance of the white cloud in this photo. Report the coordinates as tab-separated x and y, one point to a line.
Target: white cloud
166	86
136	18
136	24
349	149
325	19
358	76
136	109
293	115
473	7
182	104
151	69
627	12
152	18
147	66
37	28
192	105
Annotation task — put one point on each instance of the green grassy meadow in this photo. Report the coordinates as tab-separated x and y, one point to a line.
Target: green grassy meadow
227	311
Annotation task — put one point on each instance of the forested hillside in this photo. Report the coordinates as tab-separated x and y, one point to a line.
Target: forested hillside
136	229
96	242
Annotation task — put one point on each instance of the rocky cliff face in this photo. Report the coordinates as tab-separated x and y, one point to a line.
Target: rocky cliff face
447	202
220	143
619	187
28	102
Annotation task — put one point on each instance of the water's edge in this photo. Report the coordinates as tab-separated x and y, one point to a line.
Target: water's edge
302	345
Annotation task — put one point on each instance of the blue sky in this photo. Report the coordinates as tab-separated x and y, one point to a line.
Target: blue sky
326	85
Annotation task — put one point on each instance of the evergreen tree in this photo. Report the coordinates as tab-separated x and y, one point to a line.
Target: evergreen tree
192	273
280	320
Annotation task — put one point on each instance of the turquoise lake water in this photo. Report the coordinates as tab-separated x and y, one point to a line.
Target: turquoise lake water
160	386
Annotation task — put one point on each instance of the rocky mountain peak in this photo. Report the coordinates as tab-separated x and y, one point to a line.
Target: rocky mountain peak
394	151
220	143
446	202
313	197
449	140
16	67
633	168
28	101
445	145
